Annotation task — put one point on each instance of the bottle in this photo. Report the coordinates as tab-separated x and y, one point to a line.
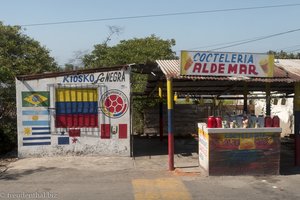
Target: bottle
239	121
253	120
218	122
276	121
233	125
261	121
245	121
268	121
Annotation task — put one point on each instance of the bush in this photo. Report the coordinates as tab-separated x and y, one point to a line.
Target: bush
8	139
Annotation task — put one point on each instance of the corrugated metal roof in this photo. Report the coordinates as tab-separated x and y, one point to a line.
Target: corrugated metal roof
285	70
292	65
170	68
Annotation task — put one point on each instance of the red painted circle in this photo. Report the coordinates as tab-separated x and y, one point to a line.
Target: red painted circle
107	103
113	97
111	109
119	108
120	100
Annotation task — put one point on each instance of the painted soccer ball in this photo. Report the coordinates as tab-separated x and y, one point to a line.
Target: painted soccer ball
114	103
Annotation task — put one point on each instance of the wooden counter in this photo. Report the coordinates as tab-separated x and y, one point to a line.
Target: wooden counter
239	151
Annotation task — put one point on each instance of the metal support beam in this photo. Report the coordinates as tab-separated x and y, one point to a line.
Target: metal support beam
268	99
245	110
161	119
170	124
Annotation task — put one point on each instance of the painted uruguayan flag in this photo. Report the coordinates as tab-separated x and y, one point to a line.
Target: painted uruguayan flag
37	136
36	127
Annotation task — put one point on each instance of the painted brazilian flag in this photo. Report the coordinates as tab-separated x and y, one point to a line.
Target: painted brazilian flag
35	99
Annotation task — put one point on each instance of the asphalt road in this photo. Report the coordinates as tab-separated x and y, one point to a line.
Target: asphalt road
145	177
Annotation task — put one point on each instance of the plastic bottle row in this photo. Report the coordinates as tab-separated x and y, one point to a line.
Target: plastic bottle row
243	121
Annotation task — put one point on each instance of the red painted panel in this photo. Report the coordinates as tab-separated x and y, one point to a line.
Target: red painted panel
74	132
69	120
86	121
244	153
297	149
76	120
105	131
61	121
122	131
90	121
80	120
93	120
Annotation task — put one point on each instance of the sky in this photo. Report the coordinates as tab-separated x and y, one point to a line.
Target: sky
199	31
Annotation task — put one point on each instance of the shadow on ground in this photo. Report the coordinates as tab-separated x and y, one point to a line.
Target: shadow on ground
287	157
16	174
7	173
151	146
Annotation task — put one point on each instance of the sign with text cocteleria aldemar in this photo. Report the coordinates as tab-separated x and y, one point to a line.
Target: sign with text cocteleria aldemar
201	63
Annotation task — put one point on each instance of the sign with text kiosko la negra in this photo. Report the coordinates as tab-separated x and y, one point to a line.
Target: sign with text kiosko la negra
203	63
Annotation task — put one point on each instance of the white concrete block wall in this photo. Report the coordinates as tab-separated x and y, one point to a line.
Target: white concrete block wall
33	128
284	112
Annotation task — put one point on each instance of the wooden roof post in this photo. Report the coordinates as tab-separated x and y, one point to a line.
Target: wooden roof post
268	99
245	92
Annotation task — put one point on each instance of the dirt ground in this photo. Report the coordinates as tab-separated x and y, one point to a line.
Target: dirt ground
184	148
144	176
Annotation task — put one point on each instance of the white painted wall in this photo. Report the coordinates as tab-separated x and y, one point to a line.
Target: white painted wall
89	141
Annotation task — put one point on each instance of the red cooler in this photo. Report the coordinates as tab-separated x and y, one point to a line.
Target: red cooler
211	122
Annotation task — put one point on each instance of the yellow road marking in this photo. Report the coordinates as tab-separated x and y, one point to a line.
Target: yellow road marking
164	188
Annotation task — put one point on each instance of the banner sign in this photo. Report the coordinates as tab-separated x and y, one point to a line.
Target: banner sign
201	63
244	141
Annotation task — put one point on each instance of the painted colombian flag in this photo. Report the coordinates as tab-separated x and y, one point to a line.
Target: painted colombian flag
76	107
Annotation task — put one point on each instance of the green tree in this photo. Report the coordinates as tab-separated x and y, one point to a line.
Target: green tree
19	54
136	50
